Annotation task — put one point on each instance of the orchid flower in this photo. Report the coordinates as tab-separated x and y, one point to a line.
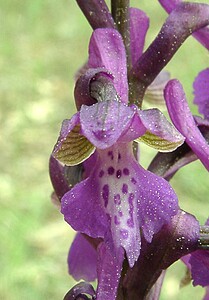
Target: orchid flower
119	209
119	196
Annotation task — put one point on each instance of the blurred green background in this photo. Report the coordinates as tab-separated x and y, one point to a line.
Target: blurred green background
42	44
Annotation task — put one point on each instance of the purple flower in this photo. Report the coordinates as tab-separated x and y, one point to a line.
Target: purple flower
201	94
198	264
182	118
119	196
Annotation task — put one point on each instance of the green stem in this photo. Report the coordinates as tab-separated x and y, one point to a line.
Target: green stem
204	238
120	13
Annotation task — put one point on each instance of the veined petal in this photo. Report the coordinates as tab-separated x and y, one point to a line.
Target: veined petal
82	259
182	118
154	94
160	134
103	123
72	147
139	24
106	49
201	94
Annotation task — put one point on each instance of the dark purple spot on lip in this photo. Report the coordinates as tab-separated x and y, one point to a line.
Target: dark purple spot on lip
125	188
117	199
130	223
105	194
126	171
124	234
120	213
118	173
130	201
101	173
110	153
119	156
111	170
116	221
133	180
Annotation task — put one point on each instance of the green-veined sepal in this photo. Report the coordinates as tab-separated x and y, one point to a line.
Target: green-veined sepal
158	143
75	148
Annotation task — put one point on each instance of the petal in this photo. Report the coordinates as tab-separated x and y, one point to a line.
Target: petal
106	50
160	134
201	95
199	262
169	5
72	148
82	259
157	202
135	129
103	123
167	164
182	118
109	272
155	92
139	24
202	35
132	198
57	176
97	13
206	297
83	210
180	24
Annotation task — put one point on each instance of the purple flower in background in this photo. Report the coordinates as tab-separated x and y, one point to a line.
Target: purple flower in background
201	92
182	118
198	264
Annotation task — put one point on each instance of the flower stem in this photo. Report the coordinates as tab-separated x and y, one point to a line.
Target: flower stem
120	13
204	238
